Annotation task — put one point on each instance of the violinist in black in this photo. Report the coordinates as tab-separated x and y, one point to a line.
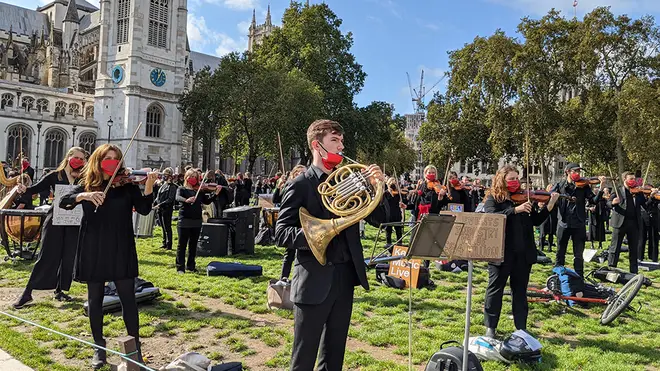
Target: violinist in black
106	243
457	193
431	195
190	219
165	198
650	230
54	267
572	215
397	206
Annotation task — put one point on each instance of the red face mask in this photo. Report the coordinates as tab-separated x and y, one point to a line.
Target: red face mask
631	183
332	160
455	182
575	177
430	177
109	166
77	163
25	164
192	181
513	185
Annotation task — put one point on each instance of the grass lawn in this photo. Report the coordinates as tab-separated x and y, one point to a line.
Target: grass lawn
226	319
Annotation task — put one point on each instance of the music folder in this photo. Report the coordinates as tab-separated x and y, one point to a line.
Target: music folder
430	237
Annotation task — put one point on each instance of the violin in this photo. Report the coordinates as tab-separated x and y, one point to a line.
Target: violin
583	182
132	177
520	197
645	189
436	186
209	187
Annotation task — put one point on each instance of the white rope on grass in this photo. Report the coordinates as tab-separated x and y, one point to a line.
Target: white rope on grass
122	355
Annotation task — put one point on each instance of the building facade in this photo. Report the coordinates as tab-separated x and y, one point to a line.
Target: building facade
74	74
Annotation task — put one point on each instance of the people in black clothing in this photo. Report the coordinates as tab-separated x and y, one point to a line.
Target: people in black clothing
477	193
457	195
247	193
598	215
289	254
27	168
548	229
54	267
239	190
572	217
25	200
106	243
649	229
625	221
397	206
519	249
322	294
43	196
164	206
432	196
190	219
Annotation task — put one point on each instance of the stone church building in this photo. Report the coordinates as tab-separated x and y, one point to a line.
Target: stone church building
73	74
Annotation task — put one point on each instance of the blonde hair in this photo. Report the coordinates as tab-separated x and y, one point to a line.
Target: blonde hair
499	189
92	173
296	171
65	160
189	174
430	167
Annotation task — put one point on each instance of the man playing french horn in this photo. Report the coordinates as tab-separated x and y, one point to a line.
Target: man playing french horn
324	279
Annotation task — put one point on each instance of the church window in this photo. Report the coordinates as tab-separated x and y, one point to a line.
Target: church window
14	143
27	103
60	109
123	13
87	141
7	100
42	105
54	150
158	20
154	121
74	109
89	113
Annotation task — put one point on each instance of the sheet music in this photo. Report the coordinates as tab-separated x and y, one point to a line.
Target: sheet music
62	216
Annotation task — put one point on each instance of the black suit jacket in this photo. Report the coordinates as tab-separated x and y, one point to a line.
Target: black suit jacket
619	210
312	281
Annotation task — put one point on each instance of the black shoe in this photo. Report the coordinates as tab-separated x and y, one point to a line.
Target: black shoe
60	296
491	333
22	301
163	246
100	358
193	270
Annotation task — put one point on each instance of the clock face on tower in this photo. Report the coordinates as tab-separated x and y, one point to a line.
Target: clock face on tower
157	77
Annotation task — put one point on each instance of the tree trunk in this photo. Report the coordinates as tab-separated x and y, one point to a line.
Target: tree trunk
211	150
544	173
193	148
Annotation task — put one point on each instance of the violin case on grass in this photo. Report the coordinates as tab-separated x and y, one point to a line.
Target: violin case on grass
616	275
145	292
233	270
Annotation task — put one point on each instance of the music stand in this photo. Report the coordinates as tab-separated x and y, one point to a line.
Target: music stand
428	241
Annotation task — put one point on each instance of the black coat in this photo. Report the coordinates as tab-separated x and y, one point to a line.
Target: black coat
166	195
312	281
619	210
573	214
519	232
106	243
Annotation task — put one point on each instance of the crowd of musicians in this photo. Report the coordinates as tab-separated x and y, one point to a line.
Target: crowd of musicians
96	251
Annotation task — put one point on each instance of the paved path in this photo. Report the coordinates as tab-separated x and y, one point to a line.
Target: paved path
8	363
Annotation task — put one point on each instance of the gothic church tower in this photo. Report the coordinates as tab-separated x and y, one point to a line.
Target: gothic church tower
141	74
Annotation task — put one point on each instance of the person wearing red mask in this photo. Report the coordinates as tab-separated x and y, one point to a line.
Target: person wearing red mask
27	168
459	196
519	248
54	267
322	294
430	198
106	243
625	221
572	215
190	219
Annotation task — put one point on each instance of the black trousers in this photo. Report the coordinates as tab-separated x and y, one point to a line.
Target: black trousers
126	292
165	221
629	229
388	233
287	261
649	233
322	329
518	270
579	236
187	236
54	267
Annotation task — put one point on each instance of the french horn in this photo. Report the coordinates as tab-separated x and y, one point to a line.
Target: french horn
348	194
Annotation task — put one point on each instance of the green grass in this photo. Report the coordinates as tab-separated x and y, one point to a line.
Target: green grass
190	316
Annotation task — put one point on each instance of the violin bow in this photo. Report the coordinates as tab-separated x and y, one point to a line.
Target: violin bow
201	184
121	162
616	189
396	182
279	142
528	185
643	181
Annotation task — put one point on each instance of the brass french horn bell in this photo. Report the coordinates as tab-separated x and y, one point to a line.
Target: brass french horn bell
346	193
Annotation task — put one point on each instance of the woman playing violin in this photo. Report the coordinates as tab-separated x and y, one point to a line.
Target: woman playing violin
106	243
431	193
519	248
54	267
458	193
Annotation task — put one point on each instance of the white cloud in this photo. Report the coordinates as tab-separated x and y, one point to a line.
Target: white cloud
374	19
243	27
201	37
541	7
241	4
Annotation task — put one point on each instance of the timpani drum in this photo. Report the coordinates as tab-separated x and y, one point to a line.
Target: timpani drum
21	227
270	216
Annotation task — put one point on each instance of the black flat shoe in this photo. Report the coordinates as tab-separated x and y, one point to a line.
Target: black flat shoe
100	358
22	301
60	296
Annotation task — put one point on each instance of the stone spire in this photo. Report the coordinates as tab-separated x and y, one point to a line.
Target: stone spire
254	19
307	3
268	21
72	12
10	40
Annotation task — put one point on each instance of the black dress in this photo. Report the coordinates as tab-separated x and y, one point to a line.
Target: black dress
597	221
54	267
106	243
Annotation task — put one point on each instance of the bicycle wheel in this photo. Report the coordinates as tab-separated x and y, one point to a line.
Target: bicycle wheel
622	299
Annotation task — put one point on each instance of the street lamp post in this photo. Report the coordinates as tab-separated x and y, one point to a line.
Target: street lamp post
73	130
110	122
39	125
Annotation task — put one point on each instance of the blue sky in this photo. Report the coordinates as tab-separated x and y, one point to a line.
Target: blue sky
391	37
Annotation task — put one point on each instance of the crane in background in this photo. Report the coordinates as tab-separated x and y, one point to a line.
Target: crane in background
417	96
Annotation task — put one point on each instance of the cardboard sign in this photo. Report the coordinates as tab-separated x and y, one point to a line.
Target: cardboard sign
401	269
456	208
64	216
476	236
